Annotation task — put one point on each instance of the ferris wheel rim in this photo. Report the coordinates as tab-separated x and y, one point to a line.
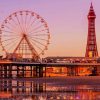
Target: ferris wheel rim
25	11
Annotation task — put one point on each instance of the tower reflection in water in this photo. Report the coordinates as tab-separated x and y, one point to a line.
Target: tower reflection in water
29	90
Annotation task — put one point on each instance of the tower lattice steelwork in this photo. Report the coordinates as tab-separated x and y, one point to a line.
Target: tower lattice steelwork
91	49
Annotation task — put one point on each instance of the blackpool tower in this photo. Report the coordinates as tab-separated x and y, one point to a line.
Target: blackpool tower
91	48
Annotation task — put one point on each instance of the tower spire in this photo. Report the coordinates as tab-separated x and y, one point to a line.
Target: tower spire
91	5
91	48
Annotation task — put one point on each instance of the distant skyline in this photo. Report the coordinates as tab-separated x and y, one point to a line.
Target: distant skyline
67	21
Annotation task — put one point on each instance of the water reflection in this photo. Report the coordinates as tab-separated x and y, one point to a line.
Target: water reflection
29	90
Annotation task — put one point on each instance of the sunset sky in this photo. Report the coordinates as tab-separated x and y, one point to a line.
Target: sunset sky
67	21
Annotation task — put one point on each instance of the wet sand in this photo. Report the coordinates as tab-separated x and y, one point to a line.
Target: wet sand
69	80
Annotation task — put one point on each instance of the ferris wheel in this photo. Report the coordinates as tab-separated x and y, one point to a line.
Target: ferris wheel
24	33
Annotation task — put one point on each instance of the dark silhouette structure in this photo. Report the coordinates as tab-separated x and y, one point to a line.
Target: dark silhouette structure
91	49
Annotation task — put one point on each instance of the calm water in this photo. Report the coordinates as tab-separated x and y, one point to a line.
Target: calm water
29	90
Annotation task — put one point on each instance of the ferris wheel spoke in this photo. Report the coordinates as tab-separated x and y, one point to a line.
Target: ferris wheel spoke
44	34
10	24
22	24
10	35
36	28
26	22
16	24
13	29
19	23
8	31
34	25
11	45
36	46
30	25
38	31
37	42
38	38
9	28
8	43
8	39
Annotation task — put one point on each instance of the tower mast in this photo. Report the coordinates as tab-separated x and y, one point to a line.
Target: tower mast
91	48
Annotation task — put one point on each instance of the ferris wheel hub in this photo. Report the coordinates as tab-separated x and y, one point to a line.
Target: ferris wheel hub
24	35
